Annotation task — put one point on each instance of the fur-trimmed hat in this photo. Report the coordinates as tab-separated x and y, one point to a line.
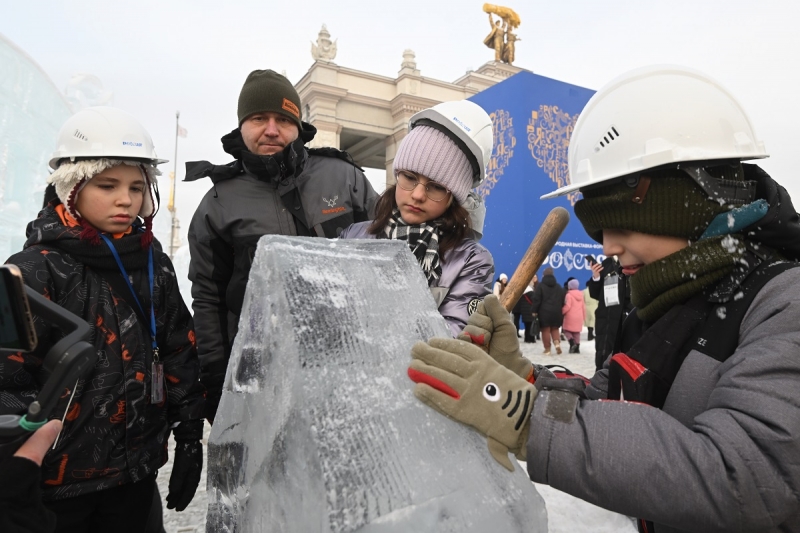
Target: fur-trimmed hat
71	177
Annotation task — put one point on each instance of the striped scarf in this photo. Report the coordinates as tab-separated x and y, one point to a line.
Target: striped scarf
422	239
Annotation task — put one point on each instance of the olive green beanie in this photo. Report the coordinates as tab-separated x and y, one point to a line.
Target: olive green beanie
673	204
266	90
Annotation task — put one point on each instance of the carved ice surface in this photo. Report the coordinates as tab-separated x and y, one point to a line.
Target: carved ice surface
318	429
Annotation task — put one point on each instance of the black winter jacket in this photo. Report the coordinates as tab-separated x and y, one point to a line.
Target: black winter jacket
112	433
548	298
608	320
524	306
326	193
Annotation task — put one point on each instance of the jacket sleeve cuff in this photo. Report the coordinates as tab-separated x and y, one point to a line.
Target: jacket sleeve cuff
553	408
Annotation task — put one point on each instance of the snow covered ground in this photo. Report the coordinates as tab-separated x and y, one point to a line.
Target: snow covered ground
566	514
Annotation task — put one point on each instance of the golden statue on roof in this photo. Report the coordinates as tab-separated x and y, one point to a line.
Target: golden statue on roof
502	39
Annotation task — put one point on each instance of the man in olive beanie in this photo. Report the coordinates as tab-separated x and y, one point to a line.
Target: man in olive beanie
266	90
274	186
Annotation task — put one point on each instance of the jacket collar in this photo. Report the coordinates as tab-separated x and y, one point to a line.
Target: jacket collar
293	157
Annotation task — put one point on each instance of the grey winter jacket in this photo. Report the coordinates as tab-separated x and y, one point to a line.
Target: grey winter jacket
238	211
466	276
723	454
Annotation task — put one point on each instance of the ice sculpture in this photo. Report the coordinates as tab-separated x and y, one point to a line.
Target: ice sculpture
318	429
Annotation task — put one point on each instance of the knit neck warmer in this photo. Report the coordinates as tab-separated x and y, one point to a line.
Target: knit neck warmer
273	169
656	287
129	248
49	230
422	239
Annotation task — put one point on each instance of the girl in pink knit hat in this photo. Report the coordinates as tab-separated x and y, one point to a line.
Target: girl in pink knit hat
432	209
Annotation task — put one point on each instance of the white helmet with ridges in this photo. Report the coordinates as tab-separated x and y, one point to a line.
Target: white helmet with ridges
97	138
653	117
104	132
469	124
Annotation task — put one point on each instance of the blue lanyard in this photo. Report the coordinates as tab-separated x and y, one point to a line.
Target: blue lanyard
133	292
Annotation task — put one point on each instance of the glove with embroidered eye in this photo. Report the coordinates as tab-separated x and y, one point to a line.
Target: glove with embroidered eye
490	327
461	381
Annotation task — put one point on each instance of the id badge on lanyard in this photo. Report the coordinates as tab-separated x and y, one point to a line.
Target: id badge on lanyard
157	379
157	367
611	290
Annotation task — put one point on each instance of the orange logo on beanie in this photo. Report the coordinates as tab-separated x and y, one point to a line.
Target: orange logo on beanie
289	106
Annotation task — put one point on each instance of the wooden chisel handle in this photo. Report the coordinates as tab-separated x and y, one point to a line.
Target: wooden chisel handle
542	243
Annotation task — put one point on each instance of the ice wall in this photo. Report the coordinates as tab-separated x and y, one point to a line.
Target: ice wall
319	430
31	113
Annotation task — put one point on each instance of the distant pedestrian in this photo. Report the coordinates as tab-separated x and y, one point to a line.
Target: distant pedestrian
526	313
516	314
500	285
548	298
612	291
574	312
591	307
566	288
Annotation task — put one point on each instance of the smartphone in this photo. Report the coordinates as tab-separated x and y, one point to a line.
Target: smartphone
16	321
590	259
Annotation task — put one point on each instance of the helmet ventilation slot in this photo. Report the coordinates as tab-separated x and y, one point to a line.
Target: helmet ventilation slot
80	136
610	136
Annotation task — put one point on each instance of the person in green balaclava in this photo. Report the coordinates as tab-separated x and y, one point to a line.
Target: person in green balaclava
699	424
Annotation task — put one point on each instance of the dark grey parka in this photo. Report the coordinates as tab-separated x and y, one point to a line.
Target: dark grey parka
241	207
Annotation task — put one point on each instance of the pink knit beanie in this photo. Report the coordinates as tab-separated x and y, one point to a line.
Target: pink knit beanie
430	152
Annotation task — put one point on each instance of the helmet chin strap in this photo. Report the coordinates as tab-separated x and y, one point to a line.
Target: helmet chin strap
729	191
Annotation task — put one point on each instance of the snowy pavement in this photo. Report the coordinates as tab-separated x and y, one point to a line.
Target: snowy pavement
566	514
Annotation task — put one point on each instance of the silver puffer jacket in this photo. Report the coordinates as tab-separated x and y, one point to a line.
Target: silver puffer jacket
466	277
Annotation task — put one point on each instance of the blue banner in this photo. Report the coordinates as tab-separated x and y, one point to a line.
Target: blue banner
533	119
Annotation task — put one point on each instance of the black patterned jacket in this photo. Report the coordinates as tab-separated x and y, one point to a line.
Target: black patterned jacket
112	433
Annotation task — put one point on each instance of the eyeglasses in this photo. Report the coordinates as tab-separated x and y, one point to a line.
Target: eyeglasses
434	191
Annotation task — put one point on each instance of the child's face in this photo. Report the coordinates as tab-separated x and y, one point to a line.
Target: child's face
414	205
111	200
636	250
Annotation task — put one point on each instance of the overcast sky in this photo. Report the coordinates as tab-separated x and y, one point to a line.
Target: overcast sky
158	57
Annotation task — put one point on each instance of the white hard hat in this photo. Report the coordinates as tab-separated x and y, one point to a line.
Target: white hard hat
470	124
104	132
653	117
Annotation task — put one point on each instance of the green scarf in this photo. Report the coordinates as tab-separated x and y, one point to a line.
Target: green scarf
656	287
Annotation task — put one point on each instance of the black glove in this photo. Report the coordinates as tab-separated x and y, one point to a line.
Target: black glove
212	376
187	464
